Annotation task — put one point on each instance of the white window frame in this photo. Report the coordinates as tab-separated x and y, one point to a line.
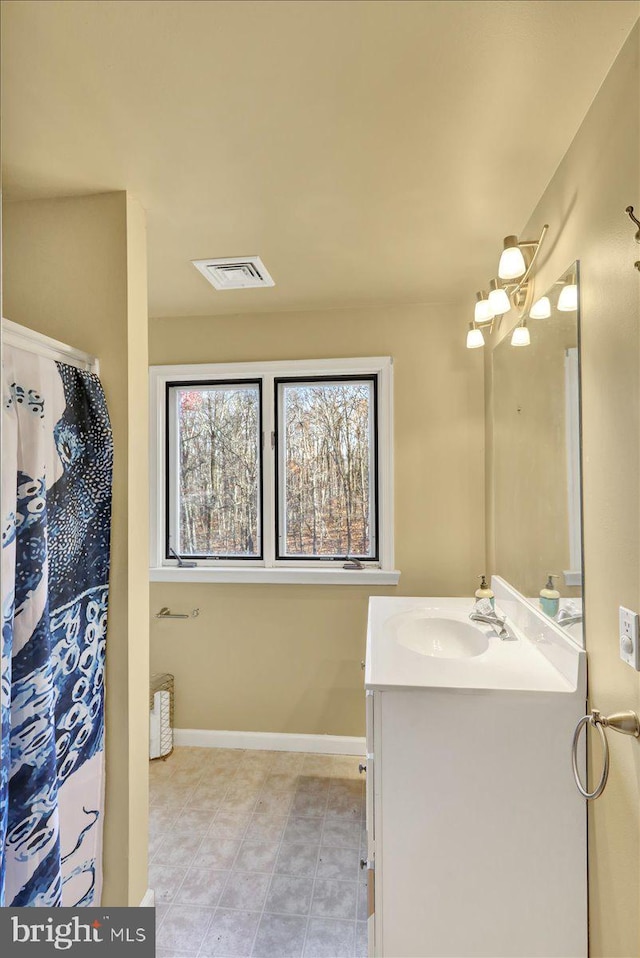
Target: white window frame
270	569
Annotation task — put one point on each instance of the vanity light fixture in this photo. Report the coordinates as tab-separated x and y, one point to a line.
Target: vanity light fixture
520	336
483	312
474	337
568	298
541	309
513	289
512	264
498	298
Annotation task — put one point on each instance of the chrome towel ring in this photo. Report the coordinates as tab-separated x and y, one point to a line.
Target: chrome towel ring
626	722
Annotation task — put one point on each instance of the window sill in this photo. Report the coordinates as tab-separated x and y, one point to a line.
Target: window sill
261	576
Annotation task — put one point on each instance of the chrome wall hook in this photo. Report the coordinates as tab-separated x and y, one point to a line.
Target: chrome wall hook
635	220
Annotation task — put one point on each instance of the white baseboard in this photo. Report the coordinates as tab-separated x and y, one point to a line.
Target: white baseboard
274	741
149	899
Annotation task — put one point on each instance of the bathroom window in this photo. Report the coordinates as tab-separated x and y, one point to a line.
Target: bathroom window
326	468
276	472
214	441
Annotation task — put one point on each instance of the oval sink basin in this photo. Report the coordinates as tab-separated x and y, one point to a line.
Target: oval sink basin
437	636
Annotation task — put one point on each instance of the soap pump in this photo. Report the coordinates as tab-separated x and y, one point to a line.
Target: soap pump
550	597
485	591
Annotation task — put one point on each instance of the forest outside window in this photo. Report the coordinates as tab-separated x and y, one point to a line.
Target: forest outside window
275	472
326	468
214	439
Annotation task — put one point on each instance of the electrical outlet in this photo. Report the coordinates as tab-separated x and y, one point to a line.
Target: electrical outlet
629	639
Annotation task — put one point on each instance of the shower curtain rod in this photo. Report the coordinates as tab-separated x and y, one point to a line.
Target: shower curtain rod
23	338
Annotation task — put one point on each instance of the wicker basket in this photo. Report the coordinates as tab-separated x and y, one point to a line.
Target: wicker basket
163	682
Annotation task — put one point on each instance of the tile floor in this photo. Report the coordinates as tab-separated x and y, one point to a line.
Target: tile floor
256	855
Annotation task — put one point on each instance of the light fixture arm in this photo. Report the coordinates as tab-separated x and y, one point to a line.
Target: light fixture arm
522	284
536	244
514	288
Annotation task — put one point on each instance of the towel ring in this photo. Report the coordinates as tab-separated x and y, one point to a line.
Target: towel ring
597	792
626	722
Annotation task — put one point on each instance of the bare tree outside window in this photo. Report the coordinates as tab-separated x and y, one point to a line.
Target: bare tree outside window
218	453
327	464
274	471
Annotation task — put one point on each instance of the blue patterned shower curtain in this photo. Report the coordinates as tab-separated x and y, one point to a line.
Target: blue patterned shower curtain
57	455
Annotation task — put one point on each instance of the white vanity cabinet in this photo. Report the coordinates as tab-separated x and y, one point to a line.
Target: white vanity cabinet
476	833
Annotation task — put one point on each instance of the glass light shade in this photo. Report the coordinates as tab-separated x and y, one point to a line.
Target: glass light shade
474	337
568	299
483	312
512	264
520	336
541	309
499	301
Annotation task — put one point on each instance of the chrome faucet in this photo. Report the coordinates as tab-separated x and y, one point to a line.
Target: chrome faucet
568	617
492	618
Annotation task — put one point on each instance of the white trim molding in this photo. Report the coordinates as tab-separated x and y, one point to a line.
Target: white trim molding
272	741
286	576
13	334
572	416
149	899
269	569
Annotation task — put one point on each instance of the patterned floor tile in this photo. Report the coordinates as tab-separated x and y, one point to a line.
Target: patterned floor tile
245	890
280	936
202	886
256	853
230	934
184	927
329	938
289	895
334	899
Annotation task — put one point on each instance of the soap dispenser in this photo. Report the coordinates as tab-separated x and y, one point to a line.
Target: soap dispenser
550	597
485	591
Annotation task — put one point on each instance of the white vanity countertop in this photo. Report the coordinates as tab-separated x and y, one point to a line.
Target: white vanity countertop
516	665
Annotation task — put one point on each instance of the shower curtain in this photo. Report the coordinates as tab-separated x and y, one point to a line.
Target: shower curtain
57	454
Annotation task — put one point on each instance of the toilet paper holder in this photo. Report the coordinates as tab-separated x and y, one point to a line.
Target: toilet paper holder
166	613
626	722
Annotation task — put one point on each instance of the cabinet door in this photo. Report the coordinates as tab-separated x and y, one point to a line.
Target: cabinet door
371	896
370	775
369	706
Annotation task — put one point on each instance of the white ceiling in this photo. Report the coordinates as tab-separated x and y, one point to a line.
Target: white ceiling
370	151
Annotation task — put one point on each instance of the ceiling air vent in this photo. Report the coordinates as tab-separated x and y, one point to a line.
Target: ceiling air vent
241	272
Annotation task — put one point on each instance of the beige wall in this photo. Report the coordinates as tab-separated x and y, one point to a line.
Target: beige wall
287	658
75	269
584	206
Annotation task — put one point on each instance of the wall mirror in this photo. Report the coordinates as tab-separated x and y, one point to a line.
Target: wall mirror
536	454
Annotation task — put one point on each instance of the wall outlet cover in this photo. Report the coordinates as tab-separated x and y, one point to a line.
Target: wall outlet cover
629	638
